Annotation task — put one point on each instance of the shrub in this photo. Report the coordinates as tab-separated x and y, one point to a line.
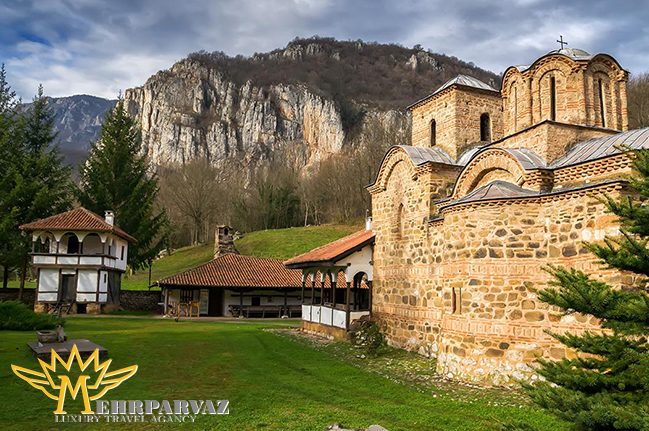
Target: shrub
369	336
16	316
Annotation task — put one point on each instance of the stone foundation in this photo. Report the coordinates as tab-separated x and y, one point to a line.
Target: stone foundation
130	300
330	332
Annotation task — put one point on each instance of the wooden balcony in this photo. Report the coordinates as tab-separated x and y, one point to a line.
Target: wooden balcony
75	260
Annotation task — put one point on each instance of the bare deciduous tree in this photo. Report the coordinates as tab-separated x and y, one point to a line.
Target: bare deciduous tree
195	197
638	101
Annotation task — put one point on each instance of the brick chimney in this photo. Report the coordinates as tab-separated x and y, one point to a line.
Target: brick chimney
224	241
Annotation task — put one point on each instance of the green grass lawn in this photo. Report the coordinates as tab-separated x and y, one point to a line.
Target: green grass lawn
271	381
287	243
276	243
16	284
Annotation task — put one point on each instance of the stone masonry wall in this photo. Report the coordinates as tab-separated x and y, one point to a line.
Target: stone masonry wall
456	112
551	140
487	257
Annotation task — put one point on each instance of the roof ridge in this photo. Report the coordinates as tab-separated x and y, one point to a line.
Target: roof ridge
331	243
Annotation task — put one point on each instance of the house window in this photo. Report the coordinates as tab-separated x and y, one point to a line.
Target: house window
456	301
122	253
602	107
105	277
186	295
553	99
255	301
485	128
433	133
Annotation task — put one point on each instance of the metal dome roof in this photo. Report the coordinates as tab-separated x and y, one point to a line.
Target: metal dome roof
574	53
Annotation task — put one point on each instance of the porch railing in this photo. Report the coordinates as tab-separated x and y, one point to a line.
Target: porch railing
74	259
328	315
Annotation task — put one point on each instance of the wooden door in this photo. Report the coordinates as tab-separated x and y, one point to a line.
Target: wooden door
215	307
68	288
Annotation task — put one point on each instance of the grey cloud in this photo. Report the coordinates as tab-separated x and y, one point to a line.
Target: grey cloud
101	47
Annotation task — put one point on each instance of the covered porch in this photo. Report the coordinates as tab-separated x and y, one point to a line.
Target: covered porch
217	301
337	284
338	307
233	285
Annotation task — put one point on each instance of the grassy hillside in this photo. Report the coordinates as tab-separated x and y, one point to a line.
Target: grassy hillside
278	243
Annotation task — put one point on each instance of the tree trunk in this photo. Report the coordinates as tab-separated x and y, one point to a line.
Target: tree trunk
23	275
5	277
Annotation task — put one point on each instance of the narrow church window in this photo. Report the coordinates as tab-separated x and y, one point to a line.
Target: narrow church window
456	301
400	222
515	109
485	128
433	133
602	110
553	99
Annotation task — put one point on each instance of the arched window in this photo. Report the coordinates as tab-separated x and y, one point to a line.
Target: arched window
553	99
602	106
433	133
73	244
485	128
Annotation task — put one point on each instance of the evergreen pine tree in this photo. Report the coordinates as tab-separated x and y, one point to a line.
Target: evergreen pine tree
607	386
117	177
10	143
43	182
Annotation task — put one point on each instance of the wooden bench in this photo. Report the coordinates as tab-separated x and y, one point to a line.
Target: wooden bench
294	310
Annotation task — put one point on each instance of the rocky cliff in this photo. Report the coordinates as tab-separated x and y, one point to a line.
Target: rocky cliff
193	111
301	103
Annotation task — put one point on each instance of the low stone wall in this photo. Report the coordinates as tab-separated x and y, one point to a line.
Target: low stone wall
11	294
130	300
330	332
140	300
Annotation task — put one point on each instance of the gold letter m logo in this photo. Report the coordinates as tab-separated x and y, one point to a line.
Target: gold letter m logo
105	381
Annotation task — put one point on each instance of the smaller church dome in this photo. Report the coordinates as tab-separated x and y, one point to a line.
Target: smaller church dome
574	53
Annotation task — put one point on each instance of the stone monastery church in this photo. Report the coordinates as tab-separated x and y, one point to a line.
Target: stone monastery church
496	185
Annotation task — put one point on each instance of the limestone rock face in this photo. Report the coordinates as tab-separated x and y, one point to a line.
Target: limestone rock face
194	111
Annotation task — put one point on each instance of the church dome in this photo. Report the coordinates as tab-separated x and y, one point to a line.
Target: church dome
574	53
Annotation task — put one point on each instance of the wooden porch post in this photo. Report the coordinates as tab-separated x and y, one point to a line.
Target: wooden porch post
369	284
312	291
241	304
356	283
322	281
347	307
334	285
285	303
166	301
302	296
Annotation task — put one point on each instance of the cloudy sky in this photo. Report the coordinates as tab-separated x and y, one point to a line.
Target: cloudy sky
101	47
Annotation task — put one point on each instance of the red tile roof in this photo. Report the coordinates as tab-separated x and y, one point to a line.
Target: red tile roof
235	270
334	250
79	219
